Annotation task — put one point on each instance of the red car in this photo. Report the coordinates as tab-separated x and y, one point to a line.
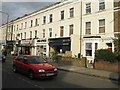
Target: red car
34	66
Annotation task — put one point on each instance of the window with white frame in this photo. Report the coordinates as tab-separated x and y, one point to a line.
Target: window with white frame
44	19
31	23
17	27
88	27
43	33
36	22
102	26
25	25
101	5
50	32
88	8
61	31
35	33
51	18
88	49
21	36
30	34
71	12
14	28
21	25
70	29
24	35
62	15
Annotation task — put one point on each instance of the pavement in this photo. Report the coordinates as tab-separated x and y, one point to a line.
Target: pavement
86	71
89	71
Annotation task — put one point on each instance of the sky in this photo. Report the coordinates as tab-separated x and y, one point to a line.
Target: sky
18	9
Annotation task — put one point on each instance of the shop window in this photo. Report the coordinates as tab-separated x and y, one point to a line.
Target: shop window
88	49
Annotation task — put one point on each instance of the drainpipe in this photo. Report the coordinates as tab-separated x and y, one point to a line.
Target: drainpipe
81	28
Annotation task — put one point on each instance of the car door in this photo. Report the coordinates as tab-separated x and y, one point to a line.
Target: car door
25	65
18	62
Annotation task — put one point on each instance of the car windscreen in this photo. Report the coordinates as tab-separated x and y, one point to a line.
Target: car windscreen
37	60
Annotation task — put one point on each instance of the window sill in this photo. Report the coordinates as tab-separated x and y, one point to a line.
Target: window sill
87	14
70	17
101	10
43	23
62	20
50	22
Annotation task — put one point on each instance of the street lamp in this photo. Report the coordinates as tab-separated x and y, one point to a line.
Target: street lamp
7	25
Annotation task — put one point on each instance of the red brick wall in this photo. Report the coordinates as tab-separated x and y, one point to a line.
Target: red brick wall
102	65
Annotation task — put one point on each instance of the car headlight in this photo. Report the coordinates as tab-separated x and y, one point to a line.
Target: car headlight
41	70
55	69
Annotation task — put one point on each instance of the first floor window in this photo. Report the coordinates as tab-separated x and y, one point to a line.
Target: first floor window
24	35
88	27
50	32
102	26
30	34
35	33
61	31
21	36
71	29
43	33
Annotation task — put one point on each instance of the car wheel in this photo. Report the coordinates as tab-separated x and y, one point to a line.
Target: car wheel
31	74
14	69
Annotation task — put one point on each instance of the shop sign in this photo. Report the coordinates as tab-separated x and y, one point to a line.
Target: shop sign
27	42
42	40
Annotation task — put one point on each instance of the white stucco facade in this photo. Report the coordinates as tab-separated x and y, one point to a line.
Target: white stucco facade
107	37
25	28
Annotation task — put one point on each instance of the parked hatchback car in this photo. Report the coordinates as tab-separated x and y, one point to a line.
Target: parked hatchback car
34	66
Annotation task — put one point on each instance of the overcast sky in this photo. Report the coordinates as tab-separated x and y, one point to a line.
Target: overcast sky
18	9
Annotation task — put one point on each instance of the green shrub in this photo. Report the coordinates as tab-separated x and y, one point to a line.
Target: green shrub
105	55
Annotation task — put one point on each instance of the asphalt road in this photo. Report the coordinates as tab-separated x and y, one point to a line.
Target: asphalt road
63	80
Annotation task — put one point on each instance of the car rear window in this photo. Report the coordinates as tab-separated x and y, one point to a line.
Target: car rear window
37	60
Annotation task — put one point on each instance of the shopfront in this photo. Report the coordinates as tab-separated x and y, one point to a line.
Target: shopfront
26	47
60	45
42	46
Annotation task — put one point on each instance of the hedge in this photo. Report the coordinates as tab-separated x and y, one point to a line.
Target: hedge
105	55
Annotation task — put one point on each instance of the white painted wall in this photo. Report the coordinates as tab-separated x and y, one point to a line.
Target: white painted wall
94	18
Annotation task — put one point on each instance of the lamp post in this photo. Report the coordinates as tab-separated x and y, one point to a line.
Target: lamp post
6	26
